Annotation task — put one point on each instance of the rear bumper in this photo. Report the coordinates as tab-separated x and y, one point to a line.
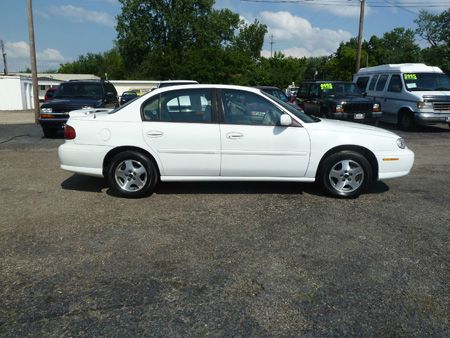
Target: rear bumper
82	159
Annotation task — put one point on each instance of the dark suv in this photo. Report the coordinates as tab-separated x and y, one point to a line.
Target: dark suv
73	95
337	100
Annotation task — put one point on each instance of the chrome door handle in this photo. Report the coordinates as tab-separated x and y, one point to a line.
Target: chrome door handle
155	133
234	135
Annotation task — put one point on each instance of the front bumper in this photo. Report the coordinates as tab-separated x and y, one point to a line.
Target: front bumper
357	116
57	122
394	164
432	118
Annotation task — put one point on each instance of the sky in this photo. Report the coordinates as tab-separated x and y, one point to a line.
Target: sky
66	29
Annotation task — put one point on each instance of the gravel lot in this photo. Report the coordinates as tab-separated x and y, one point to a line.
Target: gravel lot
221	259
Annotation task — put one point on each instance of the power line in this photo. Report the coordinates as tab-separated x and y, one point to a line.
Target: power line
354	4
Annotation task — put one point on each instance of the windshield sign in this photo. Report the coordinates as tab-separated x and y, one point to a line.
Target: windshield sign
426	81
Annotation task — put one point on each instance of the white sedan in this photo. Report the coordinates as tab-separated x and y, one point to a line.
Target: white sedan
226	133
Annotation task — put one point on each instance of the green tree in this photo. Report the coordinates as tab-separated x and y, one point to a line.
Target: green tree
435	29
163	37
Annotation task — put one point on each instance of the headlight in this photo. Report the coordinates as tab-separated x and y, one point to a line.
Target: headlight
339	108
46	110
376	107
401	143
424	105
87	107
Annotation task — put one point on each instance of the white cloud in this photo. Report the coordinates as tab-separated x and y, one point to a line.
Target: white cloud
80	14
18	57
301	37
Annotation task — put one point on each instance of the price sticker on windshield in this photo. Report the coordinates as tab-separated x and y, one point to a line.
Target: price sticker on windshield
326	86
410	76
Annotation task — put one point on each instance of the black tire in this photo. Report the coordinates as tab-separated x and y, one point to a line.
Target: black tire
345	182
406	121
132	175
49	132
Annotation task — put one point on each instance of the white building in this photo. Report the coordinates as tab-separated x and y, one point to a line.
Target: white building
16	93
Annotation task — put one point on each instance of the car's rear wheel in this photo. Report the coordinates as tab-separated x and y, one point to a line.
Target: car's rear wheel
345	174
131	174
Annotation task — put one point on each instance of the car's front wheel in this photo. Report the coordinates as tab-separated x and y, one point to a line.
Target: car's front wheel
345	174
132	175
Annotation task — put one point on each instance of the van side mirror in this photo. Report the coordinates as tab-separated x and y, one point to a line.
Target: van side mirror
285	120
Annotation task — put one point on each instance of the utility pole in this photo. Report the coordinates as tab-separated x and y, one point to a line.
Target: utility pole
271	44
361	28
5	66
33	61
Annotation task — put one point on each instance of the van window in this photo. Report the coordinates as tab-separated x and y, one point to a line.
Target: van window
372	82
362	82
381	83
395	85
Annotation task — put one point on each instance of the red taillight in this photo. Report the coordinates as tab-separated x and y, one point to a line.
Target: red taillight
69	132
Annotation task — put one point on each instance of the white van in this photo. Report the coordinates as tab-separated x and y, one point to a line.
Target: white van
409	93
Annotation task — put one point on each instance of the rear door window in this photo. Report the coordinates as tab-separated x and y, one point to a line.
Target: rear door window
373	81
381	83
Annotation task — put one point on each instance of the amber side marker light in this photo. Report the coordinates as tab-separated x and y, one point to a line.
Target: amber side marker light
47	115
69	132
391	159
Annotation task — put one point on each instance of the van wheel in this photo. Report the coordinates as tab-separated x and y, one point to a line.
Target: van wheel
406	121
345	174
132	175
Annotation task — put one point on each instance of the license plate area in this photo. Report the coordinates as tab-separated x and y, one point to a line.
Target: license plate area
359	116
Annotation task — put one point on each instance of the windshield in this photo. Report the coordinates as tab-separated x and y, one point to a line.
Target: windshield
301	115
426	81
79	90
349	88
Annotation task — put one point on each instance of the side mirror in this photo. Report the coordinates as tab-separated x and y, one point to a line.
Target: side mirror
285	120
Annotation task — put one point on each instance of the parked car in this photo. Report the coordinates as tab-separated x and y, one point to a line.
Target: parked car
411	94
73	95
337	100
50	93
279	94
127	96
227	133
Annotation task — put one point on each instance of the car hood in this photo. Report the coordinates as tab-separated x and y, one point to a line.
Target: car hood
351	98
344	127
71	104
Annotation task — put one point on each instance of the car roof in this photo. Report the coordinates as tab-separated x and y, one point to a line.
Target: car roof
400	67
206	86
267	87
332	81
